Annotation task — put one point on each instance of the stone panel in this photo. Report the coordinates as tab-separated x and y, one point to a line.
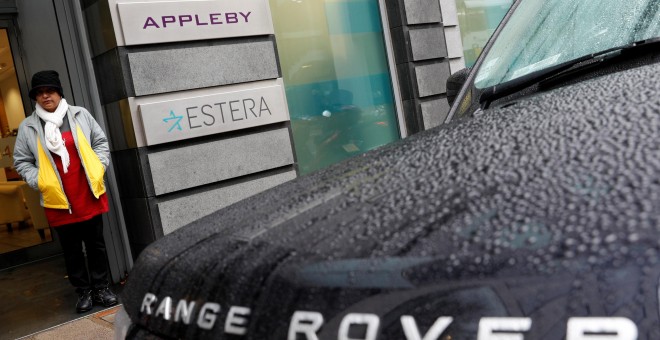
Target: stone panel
422	11
432	79
99	26
454	42
427	43
178	212
434	112
209	162
112	75
449	15
176	69
121	131
132	173
141	224
456	64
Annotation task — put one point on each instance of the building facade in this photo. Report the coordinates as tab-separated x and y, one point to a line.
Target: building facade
207	102
213	101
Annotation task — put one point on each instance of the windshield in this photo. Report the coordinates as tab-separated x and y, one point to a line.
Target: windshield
543	33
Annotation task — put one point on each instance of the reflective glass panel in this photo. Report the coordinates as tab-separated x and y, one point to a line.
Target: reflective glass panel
338	86
544	33
22	220
477	20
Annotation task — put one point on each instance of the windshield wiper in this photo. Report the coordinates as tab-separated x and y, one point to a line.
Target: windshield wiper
571	67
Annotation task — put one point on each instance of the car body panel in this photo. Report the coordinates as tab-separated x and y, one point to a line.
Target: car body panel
546	208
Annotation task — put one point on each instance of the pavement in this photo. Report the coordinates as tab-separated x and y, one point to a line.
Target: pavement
38	296
98	325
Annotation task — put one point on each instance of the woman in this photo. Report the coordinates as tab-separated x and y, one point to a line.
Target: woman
62	152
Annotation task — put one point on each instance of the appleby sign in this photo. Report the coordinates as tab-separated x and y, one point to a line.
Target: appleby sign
173	120
149	22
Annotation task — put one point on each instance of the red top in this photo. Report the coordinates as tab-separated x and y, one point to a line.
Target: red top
83	204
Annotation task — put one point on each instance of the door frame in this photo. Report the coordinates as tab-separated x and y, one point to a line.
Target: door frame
80	72
78	55
42	250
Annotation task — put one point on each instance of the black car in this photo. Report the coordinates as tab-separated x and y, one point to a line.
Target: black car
534	214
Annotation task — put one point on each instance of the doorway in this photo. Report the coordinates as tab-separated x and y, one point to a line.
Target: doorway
53	36
24	231
22	220
35	286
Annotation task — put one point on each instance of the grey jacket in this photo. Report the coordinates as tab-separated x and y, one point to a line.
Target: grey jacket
26	160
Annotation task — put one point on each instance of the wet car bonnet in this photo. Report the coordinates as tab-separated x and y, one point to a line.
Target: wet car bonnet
538	219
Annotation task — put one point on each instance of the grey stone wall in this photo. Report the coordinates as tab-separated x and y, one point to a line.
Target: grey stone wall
163	187
452	35
166	186
422	58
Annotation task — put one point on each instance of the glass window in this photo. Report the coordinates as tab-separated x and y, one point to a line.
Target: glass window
543	33
337	79
478	19
22	219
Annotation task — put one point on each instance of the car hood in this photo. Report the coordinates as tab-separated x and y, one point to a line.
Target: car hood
547	207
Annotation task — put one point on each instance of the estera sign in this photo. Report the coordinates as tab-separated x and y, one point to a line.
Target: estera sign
173	120
149	22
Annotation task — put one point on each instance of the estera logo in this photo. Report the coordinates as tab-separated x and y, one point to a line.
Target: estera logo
307	324
221	113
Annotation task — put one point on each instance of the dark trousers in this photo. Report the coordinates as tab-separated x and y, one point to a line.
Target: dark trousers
71	238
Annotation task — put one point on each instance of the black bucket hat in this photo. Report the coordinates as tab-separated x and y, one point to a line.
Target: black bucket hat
48	78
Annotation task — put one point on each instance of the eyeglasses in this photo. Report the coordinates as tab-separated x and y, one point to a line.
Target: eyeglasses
45	91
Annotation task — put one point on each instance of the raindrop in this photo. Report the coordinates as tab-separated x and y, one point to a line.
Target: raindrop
610	238
634	237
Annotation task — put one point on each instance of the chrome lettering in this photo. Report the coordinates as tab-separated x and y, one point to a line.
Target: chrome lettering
237	320
149	299
307	323
165	308
412	332
372	322
503	328
207	315
614	328
184	311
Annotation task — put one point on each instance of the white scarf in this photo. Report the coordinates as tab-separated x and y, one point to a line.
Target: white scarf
54	120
